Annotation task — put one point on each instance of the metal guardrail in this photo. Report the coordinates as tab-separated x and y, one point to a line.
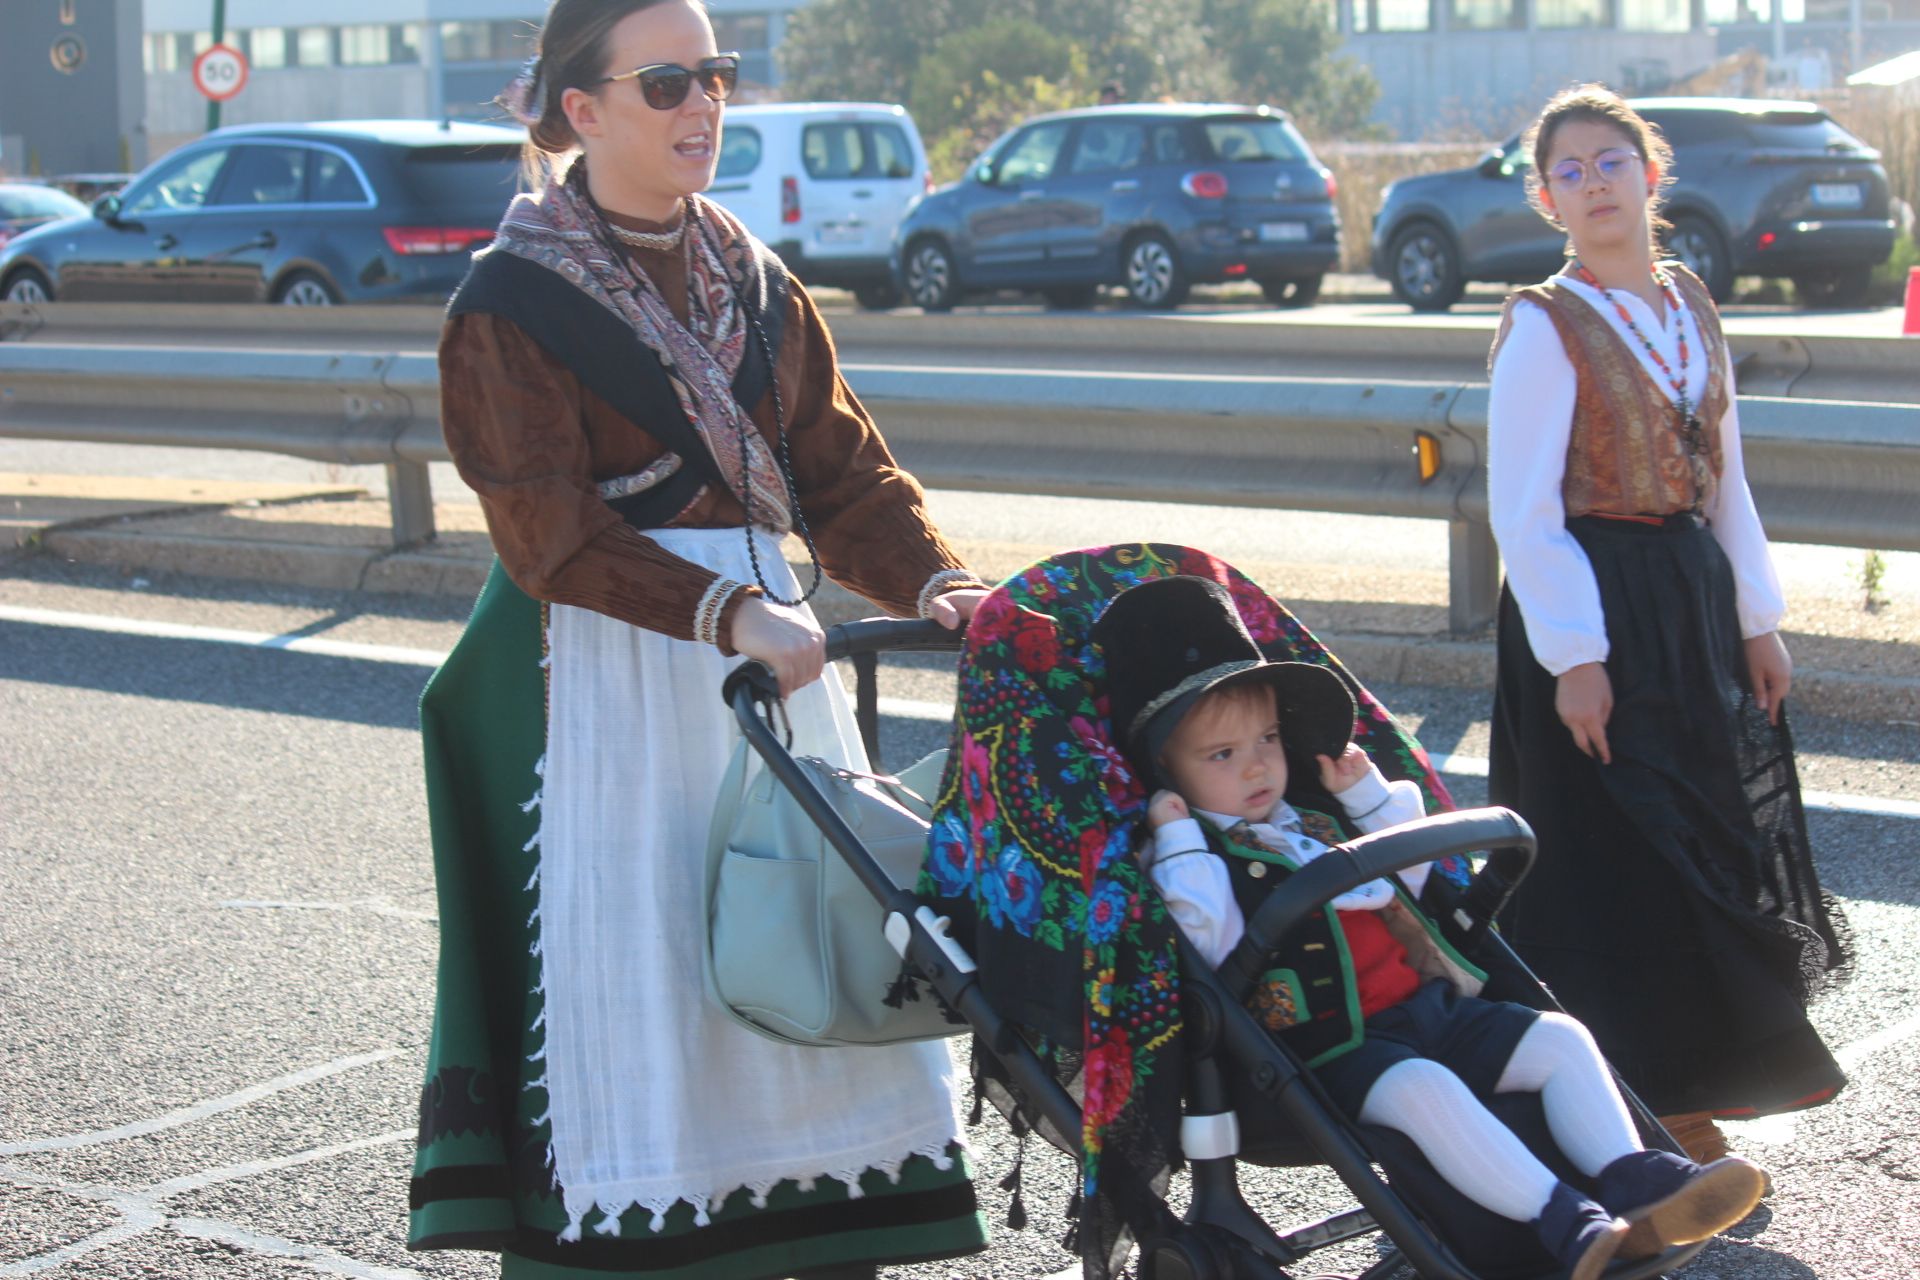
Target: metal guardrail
1833	472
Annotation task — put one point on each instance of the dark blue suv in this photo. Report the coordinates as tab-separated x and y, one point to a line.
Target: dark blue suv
302	214
1761	187
1154	198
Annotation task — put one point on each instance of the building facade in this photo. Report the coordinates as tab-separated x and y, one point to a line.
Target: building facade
71	98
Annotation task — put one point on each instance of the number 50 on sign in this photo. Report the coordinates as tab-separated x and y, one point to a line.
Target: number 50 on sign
220	72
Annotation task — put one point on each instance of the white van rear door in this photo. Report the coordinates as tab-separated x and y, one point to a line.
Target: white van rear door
746	182
898	175
836	194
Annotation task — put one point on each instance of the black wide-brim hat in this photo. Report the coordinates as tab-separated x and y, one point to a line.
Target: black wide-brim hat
1168	642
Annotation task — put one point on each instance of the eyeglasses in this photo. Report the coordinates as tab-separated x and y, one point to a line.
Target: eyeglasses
1609	165
665	85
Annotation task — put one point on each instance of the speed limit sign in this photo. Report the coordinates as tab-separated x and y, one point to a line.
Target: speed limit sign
220	72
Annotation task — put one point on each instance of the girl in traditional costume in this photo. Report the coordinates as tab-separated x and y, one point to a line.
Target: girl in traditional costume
645	403
1638	721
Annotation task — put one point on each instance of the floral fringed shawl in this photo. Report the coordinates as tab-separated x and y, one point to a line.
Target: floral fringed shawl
1030	853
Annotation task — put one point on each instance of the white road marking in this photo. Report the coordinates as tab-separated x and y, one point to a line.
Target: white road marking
200	1110
366	907
903	708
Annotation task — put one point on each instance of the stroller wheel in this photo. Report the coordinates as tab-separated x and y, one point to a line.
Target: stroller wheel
1180	1258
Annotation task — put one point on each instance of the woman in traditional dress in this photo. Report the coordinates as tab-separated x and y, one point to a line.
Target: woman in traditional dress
645	402
1639	721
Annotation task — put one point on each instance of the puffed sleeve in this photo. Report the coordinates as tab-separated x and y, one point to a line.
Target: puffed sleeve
1759	600
868	516
1529	426
512	419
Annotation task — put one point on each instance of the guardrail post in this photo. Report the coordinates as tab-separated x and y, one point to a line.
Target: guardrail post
410	495
1473	576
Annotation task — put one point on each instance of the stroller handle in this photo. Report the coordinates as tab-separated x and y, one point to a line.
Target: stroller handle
851	640
1502	832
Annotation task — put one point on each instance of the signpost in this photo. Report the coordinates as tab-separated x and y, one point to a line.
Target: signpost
229	68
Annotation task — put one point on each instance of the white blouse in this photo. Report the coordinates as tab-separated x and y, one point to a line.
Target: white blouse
1530	424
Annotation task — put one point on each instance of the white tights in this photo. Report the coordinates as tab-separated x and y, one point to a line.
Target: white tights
1479	1156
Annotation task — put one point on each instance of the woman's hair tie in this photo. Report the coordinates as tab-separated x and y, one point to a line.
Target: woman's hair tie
520	99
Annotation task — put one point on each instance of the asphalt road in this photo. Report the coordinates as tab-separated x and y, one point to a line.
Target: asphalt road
217	943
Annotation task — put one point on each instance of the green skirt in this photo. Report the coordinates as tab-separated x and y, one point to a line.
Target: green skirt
482	1178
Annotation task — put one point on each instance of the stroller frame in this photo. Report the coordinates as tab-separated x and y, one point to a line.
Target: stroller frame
1221	1236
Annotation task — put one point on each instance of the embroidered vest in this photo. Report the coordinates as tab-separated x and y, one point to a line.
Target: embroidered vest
1628	454
1310	998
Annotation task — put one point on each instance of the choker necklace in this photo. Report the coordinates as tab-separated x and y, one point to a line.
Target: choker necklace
650	239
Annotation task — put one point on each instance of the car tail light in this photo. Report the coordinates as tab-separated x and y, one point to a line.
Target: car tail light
5	235
927	182
789	200
1333	184
1205	185
1234	270
412	241
1767	238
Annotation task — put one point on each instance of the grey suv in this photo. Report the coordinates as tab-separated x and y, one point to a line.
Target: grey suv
1761	187
1154	198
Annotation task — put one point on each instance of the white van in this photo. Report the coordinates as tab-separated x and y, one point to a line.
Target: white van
824	184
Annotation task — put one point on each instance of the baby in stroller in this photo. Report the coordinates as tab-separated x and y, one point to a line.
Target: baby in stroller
1254	774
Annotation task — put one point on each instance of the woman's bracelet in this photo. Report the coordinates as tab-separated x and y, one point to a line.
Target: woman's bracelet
942	582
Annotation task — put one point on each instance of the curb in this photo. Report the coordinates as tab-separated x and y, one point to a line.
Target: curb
454	571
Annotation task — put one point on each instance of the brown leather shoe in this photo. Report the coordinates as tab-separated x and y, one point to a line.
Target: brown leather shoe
1719	1196
1697	1135
1602	1245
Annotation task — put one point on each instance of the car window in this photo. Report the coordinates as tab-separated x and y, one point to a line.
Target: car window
333	181
1253	138
739	151
1694	128
892	153
30	202
466	182
264	175
1800	131
1167	143
1032	156
180	184
1108	146
835	150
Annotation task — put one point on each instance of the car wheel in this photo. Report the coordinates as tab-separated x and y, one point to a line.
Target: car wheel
1847	287
1424	268
932	282
1703	250
29	286
304	289
880	295
1292	293
1154	277
1077	297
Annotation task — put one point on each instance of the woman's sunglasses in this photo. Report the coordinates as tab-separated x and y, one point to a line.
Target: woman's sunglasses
665	85
1610	165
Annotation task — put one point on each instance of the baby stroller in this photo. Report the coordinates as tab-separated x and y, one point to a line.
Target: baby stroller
1094	1022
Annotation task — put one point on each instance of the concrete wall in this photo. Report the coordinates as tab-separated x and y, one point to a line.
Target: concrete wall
1489	83
88	121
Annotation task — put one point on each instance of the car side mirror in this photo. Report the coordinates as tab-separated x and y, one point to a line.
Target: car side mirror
983	173
107	209
1494	165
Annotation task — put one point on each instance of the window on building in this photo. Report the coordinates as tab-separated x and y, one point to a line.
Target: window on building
1404	15
1656	15
268	51
515	40
1362	16
202	41
1486	15
486	41
404	41
1573	13
162	52
364	45
746	32
314	46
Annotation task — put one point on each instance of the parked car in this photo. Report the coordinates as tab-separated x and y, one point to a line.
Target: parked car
308	215
26	205
1761	187
824	184
1154	198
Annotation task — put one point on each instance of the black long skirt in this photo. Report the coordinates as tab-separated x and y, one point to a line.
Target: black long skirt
1674	907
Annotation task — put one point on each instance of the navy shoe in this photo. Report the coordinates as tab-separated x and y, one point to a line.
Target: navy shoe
1582	1236
1669	1200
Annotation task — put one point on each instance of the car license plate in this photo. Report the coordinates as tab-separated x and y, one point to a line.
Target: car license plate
1837	195
842	233
1283	231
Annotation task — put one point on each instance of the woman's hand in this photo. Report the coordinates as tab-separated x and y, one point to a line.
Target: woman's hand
1165	807
1770	671
1337	775
955	607
1585	703
793	648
